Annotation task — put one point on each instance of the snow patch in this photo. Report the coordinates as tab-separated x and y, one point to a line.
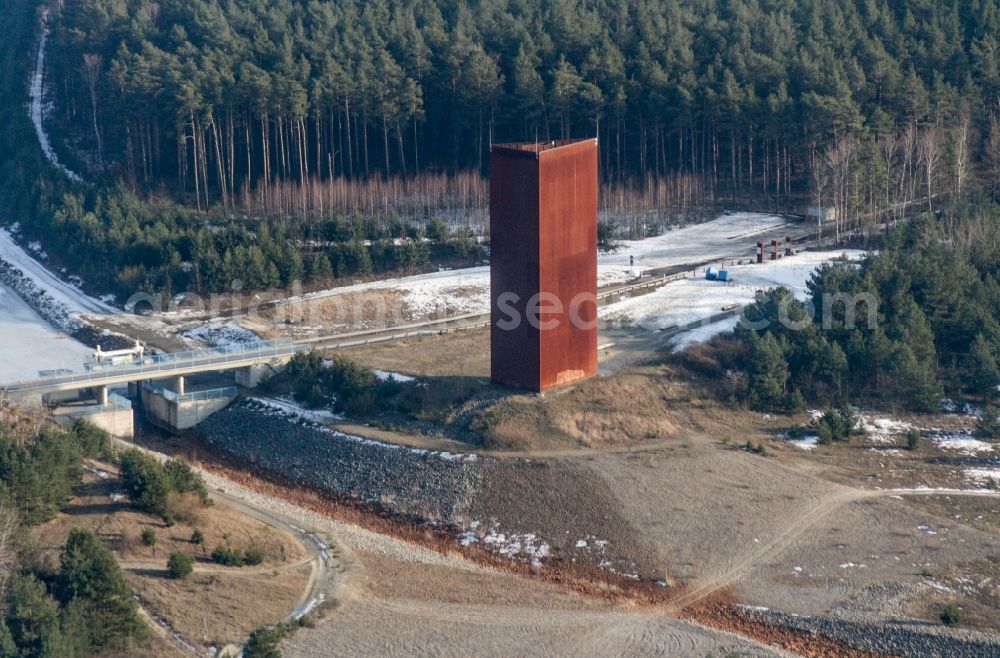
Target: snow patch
50	293
983	476
961	442
692	300
805	443
952	408
884	430
523	547
28	343
318	416
224	334
467	291
704	334
38	110
386	376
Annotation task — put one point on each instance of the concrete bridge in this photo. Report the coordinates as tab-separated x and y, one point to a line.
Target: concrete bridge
161	381
174	365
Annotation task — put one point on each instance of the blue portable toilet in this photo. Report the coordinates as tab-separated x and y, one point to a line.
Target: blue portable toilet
711	274
724	275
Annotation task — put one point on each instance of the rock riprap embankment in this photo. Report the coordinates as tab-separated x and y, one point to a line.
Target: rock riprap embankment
436	486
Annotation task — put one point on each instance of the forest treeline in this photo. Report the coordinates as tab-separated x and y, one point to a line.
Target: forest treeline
222	99
82	606
121	243
914	321
206	125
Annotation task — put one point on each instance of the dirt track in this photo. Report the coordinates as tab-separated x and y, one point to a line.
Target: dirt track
721	518
422	628
689	511
398	598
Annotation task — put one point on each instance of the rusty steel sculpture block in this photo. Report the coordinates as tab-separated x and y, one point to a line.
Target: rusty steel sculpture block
543	243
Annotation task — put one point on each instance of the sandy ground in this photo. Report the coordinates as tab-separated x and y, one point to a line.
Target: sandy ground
792	531
428	628
397	598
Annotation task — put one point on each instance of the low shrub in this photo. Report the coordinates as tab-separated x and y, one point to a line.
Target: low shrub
228	557
253	556
184	507
263	643
234	557
180	565
988	425
951	615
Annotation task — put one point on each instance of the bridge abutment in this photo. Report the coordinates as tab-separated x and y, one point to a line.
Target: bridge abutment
251	376
176	411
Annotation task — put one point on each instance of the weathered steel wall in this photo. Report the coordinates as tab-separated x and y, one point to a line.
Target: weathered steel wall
513	264
543	225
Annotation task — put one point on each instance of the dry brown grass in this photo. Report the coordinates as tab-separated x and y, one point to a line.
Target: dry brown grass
186	508
120	527
161	647
353	311
973	588
221	608
461	354
392	578
639	406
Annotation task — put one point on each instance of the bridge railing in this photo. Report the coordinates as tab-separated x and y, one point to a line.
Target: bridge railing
173	396
161	363
115	403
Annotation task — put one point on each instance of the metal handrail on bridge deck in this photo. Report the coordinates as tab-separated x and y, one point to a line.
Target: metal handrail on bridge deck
211	394
166	363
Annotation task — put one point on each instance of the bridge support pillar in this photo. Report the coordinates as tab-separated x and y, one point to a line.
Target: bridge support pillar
181	385
251	376
102	395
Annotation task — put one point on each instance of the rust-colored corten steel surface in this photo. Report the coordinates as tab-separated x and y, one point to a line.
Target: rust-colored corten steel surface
543	237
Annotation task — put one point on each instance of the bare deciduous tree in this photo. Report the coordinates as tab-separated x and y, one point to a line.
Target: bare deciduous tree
92	65
839	159
993	154
961	152
929	154
908	155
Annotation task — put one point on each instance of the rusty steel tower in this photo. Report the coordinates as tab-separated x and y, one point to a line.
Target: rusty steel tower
543	276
